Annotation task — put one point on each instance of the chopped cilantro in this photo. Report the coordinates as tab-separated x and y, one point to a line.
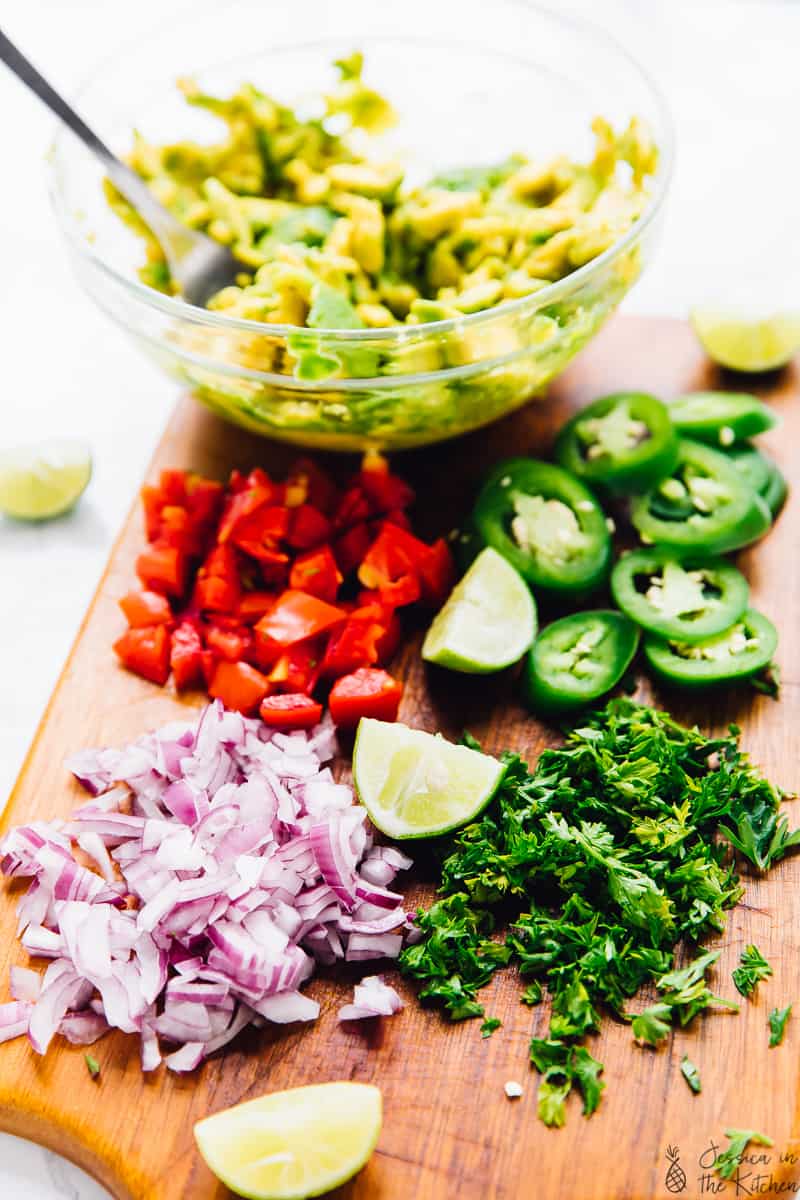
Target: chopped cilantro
489	1025
753	967
777	1024
598	863
739	1139
690	1073
92	1065
533	994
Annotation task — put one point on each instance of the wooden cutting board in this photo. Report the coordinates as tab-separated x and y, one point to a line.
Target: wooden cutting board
449	1130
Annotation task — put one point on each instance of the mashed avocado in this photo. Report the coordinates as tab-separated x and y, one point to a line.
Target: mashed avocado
329	237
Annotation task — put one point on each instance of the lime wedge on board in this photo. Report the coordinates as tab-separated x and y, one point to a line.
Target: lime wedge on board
417	785
293	1144
747	344
488	622
43	480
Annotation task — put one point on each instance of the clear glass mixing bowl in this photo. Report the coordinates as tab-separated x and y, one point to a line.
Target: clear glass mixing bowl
472	81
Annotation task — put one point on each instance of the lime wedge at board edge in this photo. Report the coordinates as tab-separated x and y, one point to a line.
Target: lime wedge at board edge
293	1144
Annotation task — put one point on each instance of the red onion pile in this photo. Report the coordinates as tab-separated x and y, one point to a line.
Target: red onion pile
216	863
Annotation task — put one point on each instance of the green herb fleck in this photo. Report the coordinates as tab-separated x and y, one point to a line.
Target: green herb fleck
777	1024
768	681
489	1025
739	1139
533	994
690	1073
92	1065
753	967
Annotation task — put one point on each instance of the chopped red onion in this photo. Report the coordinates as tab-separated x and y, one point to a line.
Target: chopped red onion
224	861
371	998
14	1019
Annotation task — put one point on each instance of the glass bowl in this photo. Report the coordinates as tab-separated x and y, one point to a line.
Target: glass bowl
472	83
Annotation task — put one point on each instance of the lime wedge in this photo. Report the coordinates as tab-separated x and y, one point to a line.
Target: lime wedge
488	622
417	785
747	344
43	480
293	1144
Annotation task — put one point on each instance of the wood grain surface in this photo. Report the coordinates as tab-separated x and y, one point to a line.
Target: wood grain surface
449	1130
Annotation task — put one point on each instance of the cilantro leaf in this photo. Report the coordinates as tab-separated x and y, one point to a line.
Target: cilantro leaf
586	1073
532	994
690	1074
777	1024
554	1088
488	1027
753	967
739	1139
652	1025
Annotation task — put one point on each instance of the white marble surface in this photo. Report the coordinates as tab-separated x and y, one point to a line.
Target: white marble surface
730	72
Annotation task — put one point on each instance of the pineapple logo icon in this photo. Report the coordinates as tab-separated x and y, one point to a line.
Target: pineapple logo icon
675	1180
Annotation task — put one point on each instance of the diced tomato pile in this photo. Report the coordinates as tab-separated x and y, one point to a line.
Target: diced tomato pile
268	593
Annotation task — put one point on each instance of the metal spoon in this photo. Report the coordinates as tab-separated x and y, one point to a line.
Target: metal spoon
198	265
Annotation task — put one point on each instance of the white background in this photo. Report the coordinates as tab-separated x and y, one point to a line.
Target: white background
729	70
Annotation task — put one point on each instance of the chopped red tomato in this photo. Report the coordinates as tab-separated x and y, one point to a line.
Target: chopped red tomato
186	656
316	572
292	710
297	616
163	568
260	534
298	668
366	693
145	651
250	575
145	608
386	491
351	547
230	644
253	605
239	686
308	527
352	646
217	586
354	509
309	484
437	573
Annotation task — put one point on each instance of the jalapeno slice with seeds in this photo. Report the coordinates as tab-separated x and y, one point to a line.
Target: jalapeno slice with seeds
625	442
686	600
546	523
577	659
741	651
721	418
705	506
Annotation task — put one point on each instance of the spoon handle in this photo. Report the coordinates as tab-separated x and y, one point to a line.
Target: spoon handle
132	187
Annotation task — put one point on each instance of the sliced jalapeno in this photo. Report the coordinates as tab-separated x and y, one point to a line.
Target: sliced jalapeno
687	601
743	650
721	418
577	659
776	491
762	473
705	506
625	442
752	465
546	523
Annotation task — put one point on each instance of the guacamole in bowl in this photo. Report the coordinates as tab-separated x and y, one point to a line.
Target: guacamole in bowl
383	300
